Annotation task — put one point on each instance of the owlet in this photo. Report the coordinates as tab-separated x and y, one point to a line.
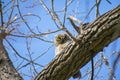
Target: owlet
61	42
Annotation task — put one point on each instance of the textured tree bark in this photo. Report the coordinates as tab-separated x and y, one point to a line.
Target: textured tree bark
96	36
7	70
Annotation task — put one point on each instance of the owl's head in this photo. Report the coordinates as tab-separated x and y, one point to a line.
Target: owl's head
61	39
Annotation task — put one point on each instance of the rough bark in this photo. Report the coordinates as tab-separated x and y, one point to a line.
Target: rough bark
7	70
97	35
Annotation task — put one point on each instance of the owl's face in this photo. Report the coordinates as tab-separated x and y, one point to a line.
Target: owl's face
61	39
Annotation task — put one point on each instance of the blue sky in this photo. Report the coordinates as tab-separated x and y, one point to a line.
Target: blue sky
45	24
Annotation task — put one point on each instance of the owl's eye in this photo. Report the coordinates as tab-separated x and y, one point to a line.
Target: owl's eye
66	37
59	38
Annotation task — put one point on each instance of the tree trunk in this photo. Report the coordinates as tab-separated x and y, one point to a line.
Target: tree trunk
97	35
7	70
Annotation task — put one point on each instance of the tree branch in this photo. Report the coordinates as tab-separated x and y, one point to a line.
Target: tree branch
7	70
97	35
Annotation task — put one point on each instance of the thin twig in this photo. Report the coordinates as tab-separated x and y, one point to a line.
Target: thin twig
23	18
114	67
29	61
108	1
1	14
52	4
16	51
75	20
7	4
76	8
30	55
65	11
97	8
36	35
73	24
10	16
53	14
43	53
22	61
28	64
68	4
55	17
107	64
29	14
89	12
24	36
96	66
92	65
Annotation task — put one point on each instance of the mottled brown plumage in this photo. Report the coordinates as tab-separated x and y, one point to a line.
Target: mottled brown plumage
61	42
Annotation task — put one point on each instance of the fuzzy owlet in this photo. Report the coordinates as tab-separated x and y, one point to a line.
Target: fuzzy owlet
61	42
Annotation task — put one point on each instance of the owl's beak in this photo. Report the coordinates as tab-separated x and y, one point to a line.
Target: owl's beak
62	39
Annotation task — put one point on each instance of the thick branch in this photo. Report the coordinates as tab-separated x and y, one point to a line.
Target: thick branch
97	35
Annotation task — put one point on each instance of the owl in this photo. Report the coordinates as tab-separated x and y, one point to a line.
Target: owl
62	41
